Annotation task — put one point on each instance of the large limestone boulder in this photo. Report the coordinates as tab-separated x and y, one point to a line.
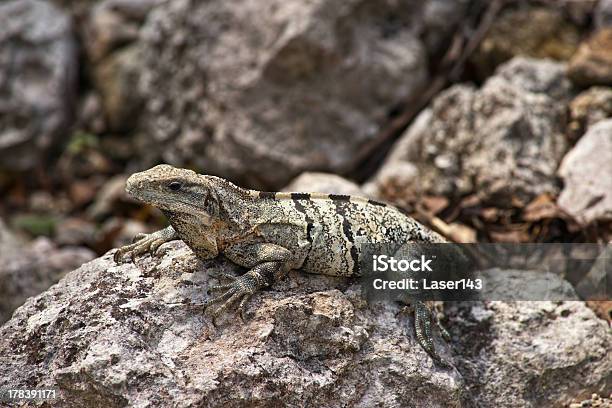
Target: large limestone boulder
531	353
261	92
587	173
135	335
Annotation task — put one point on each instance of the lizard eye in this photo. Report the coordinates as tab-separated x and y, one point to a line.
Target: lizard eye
175	186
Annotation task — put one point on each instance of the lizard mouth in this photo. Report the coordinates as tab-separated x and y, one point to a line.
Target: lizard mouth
175	206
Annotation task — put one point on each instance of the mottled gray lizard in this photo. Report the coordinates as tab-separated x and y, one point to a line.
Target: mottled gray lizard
271	233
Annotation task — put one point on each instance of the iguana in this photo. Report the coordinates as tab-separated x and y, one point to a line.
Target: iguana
271	233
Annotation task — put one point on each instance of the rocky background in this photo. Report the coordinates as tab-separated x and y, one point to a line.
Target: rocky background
489	121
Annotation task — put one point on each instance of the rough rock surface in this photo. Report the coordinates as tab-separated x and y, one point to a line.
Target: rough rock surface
503	141
586	170
603	14
135	334
28	269
532	353
261	93
538	32
323	183
592	63
588	108
38	66
528	285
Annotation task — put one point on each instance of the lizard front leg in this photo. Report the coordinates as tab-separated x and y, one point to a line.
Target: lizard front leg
268	263
146	243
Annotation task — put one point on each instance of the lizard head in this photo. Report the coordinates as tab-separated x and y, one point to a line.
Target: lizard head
176	190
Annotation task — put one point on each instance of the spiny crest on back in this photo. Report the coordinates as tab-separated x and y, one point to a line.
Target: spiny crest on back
269	195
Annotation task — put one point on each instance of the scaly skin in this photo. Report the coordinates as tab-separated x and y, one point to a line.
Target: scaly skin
271	233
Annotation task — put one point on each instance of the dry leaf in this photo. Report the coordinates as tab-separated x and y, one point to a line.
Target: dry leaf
455	232
510	236
540	208
435	204
489	214
470	201
602	308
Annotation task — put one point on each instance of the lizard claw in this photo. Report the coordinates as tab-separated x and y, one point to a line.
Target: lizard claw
133	250
144	243
220	276
242	308
154	247
223	275
241	288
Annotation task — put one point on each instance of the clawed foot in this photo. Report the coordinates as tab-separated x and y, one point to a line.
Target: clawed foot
423	319
240	288
144	243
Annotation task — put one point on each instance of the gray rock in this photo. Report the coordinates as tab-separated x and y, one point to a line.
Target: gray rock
503	141
512	285
586	170
603	14
38	66
28	269
541	76
261	93
532	353
135	335
323	183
